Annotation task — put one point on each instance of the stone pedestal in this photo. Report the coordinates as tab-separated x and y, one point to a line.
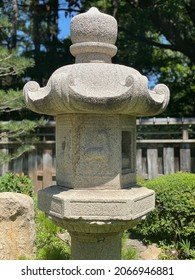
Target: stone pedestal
95	246
96	218
96	103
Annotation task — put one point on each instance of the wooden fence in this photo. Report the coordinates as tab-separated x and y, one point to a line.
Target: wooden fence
164	145
166	148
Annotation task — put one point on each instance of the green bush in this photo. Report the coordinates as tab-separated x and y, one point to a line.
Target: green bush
173	220
49	245
16	183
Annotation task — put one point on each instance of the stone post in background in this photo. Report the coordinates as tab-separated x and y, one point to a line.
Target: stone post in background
96	103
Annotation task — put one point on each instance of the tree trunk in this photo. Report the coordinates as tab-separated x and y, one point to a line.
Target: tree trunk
14	24
52	28
36	26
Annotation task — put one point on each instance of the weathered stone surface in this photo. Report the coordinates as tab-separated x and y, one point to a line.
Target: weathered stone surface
80	88
101	246
95	104
151	253
93	26
97	205
89	150
93	84
17	226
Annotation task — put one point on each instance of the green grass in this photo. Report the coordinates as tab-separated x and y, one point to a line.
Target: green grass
128	253
49	245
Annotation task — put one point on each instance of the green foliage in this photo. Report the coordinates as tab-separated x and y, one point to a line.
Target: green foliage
158	39
169	252
173	220
11	100
49	245
5	158
128	253
19	132
11	63
178	74
15	130
186	249
16	183
23	258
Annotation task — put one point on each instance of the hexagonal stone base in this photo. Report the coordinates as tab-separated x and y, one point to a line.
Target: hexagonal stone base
96	205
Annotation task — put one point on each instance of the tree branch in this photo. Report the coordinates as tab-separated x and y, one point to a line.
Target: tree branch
179	39
6	58
148	41
69	10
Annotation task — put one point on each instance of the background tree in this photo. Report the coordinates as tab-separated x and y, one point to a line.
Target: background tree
12	68
44	46
157	38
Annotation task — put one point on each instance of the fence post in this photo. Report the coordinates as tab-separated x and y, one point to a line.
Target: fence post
152	159
47	168
32	168
185	152
18	165
139	162
168	160
5	166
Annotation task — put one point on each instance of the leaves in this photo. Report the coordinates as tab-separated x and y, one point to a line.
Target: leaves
173	219
16	183
11	63
158	39
21	133
49	246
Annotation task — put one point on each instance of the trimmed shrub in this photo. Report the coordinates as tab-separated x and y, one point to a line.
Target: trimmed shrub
173	220
16	183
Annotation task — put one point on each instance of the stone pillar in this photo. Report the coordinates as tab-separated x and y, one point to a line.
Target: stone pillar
96	103
95	246
95	151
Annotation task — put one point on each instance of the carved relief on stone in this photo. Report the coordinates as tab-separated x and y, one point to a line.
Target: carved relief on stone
95	153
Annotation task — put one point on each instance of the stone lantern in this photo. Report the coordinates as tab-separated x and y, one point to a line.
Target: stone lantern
96	103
